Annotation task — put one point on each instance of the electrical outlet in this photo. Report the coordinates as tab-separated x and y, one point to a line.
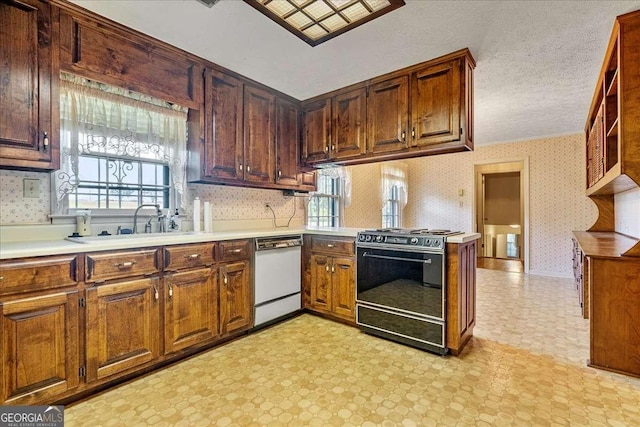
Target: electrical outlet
267	206
31	188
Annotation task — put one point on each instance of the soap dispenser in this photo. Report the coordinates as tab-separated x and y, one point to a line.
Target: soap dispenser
83	222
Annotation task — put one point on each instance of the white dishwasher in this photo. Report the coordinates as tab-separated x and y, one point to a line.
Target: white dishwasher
277	277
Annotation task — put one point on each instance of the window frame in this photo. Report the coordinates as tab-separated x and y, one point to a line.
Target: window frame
391	211
334	202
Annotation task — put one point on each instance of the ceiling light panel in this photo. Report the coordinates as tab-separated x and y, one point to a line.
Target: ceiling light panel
316	21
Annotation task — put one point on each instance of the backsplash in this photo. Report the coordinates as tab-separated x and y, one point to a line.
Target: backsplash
16	209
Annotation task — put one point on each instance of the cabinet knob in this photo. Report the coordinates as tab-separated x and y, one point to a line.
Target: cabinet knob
240	166
404	136
413	133
45	141
248	168
170	291
224	278
333	268
155	292
327	268
326	148
333	148
279	174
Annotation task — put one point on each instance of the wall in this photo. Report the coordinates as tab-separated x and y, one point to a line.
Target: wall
365	210
16	209
558	204
627	207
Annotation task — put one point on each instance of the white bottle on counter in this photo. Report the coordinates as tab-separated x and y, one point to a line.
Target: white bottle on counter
207	217
196	214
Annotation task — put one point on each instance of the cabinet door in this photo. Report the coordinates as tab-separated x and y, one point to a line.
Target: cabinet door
436	104
287	143
39	337
29	119
316	136
235	297
123	327
343	282
223	126
349	116
321	282
388	115
191	308
259	135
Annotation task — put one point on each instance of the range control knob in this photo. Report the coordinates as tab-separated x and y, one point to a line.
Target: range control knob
368	238
361	237
379	239
427	242
414	241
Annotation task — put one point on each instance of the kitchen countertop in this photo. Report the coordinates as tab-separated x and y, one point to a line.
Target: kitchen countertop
22	249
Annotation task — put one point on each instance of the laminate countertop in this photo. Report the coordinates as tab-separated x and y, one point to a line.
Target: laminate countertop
23	249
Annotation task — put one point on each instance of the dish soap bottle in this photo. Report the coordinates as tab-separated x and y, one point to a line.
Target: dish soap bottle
176	221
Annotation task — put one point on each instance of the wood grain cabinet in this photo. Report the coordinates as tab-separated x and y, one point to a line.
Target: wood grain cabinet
190	296
416	111
288	166
123	329
236	286
29	118
39	341
329	276
259	135
461	294
612	131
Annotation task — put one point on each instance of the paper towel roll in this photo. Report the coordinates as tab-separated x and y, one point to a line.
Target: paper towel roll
207	217
196	214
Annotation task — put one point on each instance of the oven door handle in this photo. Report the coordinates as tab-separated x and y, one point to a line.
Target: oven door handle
422	261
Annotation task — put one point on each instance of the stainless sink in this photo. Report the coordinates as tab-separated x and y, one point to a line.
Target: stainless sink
147	237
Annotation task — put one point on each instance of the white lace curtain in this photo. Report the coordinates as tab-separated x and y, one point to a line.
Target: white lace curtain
97	118
394	174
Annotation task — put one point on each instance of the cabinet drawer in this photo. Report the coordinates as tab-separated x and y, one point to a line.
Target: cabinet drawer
188	256
115	265
34	274
235	249
332	245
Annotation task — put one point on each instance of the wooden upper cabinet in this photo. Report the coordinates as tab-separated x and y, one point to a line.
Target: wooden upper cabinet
223	126
287	143
259	135
349	111
29	118
388	115
436	104
106	52
316	137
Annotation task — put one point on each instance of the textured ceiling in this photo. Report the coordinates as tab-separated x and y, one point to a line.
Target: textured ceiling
537	61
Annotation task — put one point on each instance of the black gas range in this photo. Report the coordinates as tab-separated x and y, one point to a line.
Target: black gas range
401	285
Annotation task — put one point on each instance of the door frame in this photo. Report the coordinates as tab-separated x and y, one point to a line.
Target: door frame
501	166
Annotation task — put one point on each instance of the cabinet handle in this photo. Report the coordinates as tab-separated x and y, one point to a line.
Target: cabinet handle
224	278
124	265
240	166
1	277
170	291
413	133
326	148
235	251
192	256
248	168
330	245
279	174
45	142
333	148
333	268
155	292
404	136
327	268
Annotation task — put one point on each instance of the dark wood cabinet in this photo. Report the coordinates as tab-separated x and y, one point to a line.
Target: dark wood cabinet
259	135
316	132
329	276
223	148
388	115
287	143
191	308
461	294
348	128
435	104
105	51
236	302
40	346
29	106
612	133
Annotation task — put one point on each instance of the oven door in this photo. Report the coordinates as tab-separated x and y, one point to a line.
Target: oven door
405	281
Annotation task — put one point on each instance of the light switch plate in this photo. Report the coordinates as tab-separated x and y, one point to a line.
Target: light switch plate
31	188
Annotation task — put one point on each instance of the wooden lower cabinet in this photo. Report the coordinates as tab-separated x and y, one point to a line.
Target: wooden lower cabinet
236	302
191	308
123	327
39	358
461	294
330	272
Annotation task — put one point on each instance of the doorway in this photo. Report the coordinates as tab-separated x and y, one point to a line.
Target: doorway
501	204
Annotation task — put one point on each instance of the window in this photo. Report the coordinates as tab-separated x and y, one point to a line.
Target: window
391	209
324	206
118	149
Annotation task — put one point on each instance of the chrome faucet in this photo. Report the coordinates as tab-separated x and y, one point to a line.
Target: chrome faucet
135	215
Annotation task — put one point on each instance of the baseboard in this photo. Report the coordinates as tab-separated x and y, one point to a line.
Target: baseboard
550	274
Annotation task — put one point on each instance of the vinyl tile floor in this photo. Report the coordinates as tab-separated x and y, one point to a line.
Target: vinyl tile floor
525	366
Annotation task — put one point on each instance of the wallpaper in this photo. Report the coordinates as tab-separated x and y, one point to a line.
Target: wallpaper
365	210
627	206
558	204
16	209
